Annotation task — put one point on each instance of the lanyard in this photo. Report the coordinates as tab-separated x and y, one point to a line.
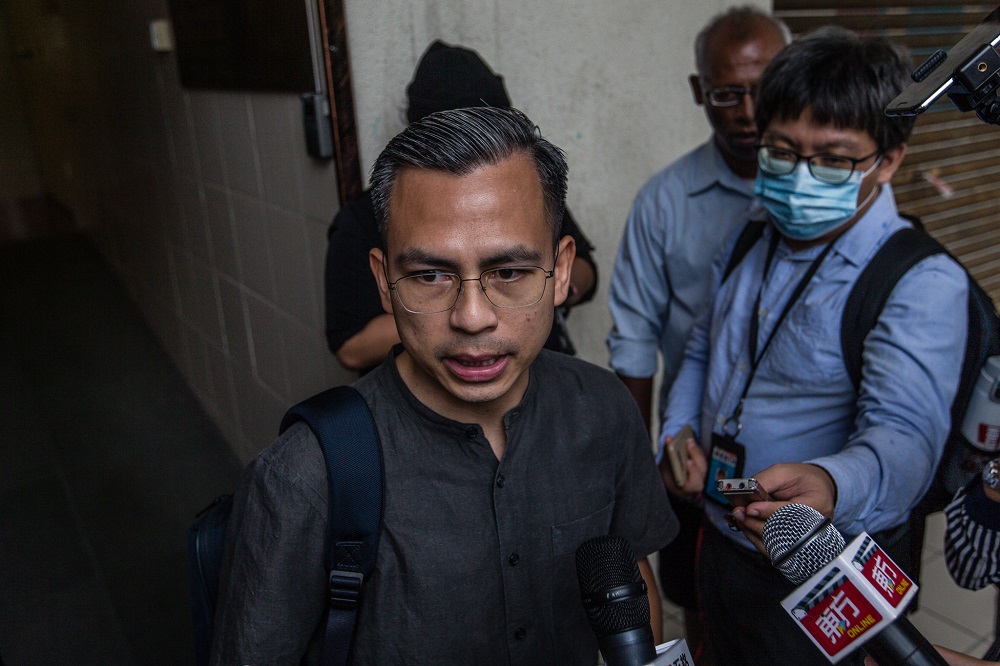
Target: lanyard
756	358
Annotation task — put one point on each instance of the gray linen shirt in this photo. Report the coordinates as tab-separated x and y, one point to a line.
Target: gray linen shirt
476	560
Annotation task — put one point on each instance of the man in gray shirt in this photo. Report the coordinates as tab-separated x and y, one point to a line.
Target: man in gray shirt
500	458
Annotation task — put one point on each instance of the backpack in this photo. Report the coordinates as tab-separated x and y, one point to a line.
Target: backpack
341	421
904	249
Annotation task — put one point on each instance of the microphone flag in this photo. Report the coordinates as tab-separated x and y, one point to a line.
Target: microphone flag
851	599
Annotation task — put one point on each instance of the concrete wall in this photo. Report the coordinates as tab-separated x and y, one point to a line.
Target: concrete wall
215	218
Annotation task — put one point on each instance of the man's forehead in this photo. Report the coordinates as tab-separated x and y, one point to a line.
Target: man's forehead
492	206
756	48
806	131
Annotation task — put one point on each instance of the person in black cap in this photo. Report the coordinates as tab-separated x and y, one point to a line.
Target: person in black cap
358	331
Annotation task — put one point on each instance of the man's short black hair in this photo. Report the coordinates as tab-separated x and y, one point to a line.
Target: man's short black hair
843	79
461	140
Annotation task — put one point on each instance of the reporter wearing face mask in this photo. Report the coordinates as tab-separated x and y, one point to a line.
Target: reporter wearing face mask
764	383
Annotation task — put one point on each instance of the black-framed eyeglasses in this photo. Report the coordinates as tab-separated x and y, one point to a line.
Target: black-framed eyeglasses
429	292
830	169
727	95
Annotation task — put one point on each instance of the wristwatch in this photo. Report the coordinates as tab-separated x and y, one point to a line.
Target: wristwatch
991	475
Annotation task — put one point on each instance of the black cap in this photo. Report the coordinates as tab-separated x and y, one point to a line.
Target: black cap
452	77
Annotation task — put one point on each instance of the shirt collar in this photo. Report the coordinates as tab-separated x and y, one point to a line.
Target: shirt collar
410	404
860	241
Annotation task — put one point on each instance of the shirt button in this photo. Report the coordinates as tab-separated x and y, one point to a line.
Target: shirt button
762	313
471	432
500	480
514	559
520	633
743	367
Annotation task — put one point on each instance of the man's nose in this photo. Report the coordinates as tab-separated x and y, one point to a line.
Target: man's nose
473	312
745	107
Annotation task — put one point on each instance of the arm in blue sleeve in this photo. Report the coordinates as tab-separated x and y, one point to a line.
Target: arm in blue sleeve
685	398
639	295
911	364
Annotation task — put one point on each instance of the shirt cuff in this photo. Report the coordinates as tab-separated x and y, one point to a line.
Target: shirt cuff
632	358
850	470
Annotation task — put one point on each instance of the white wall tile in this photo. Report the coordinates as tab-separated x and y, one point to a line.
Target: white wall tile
199	303
318	188
235	323
238	143
253	245
266	344
294	275
305	349
194	226
260	412
208	147
279	141
219	215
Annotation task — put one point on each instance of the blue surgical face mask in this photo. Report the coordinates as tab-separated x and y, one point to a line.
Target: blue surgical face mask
804	208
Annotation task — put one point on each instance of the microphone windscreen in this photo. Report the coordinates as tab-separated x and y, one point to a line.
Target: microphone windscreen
800	541
604	563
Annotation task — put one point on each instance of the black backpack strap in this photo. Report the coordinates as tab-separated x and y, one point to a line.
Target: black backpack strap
751	233
904	250
343	424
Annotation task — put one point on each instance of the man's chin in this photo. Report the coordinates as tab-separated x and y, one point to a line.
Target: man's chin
478	391
742	153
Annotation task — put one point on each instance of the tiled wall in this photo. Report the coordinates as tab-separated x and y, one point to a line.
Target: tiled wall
212	213
247	212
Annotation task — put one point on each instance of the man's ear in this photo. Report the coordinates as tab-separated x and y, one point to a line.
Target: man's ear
564	267
696	90
376	260
890	163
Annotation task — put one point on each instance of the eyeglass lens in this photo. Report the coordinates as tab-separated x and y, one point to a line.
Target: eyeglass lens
508	287
830	169
729	96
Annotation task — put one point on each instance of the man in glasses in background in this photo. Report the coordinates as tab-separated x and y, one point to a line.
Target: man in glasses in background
678	221
500	458
764	381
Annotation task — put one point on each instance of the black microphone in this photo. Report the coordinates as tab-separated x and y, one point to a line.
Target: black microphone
800	541
614	595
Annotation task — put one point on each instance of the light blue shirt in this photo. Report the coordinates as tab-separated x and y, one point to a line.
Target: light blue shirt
880	445
663	272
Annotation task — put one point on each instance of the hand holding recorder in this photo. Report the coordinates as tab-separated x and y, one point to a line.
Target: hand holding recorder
684	465
786	483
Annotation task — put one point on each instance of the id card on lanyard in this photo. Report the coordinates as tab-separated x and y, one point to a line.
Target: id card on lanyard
725	462
727	456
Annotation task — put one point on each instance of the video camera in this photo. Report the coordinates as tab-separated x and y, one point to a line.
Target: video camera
969	74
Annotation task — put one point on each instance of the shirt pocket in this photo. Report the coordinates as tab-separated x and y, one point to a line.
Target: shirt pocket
805	353
567	537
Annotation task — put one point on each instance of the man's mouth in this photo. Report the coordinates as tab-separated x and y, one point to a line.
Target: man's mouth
476	368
